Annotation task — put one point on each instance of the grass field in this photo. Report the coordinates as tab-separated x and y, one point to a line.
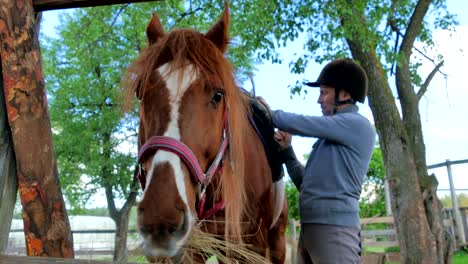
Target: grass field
460	257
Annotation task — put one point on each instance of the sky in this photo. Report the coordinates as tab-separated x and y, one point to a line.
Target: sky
443	112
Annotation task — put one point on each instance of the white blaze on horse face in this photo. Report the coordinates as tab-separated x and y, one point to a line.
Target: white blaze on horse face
177	82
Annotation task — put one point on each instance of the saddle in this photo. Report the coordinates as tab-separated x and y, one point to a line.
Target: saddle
261	120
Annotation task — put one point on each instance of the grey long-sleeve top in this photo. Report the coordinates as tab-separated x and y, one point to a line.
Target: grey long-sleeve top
330	184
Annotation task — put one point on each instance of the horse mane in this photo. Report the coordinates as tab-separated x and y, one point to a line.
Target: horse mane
183	47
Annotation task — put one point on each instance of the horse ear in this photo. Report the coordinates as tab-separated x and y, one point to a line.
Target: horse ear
154	30
218	34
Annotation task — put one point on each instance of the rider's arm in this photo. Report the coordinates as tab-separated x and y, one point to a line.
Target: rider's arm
294	167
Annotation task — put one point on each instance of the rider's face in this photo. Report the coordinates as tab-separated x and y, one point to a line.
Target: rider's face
327	99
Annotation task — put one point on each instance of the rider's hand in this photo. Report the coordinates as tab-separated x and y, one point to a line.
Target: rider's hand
283	138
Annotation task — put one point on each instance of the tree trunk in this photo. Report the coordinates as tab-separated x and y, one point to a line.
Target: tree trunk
120	217
416	208
8	179
409	101
417	243
121	235
46	225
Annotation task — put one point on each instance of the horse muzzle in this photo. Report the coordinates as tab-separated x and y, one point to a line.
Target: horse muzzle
164	238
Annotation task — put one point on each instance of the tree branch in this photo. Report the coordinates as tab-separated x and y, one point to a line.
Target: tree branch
429	78
187	13
395	28
134	187
398	32
101	37
126	138
251	77
113	212
390	19
414	26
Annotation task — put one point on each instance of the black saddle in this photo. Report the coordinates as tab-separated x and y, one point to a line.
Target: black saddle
261	120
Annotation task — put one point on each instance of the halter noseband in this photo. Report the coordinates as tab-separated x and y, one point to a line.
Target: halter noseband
175	146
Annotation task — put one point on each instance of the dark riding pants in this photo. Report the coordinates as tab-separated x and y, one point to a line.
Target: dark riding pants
328	244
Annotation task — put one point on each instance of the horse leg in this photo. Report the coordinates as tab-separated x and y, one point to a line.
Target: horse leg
277	237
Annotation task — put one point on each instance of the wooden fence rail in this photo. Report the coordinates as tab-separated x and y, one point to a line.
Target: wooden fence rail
379	237
384	238
370	238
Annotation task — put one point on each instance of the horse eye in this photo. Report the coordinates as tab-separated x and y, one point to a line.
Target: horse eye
217	97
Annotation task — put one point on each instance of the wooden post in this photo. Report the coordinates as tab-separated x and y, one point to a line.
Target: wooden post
388	201
8	179
459	233
43	5
465	224
46	225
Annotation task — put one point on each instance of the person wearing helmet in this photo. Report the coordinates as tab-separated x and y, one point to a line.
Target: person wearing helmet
330	183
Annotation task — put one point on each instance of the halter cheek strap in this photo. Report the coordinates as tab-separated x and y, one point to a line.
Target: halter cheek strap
175	146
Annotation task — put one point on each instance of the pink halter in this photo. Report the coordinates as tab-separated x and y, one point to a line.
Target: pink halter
175	146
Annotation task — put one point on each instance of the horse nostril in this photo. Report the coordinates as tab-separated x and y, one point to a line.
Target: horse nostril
160	230
172	229
161	226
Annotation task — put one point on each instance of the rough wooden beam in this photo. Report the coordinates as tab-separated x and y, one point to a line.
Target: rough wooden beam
8	179
44	5
46	225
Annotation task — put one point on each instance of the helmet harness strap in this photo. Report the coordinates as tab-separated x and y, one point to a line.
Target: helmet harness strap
342	102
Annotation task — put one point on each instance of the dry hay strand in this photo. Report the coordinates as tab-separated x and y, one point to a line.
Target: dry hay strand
202	245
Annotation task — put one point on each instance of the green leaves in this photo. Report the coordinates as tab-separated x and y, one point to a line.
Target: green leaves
292	194
83	69
372	201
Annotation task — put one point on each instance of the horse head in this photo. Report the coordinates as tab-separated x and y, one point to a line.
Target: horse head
189	105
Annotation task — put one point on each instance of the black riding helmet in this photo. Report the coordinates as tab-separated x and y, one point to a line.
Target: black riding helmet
343	74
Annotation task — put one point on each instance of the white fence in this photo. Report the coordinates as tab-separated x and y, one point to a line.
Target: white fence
92	236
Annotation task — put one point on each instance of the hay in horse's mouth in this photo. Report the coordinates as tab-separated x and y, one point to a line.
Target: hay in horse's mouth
208	245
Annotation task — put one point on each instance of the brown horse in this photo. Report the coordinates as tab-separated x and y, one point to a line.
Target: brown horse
201	161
